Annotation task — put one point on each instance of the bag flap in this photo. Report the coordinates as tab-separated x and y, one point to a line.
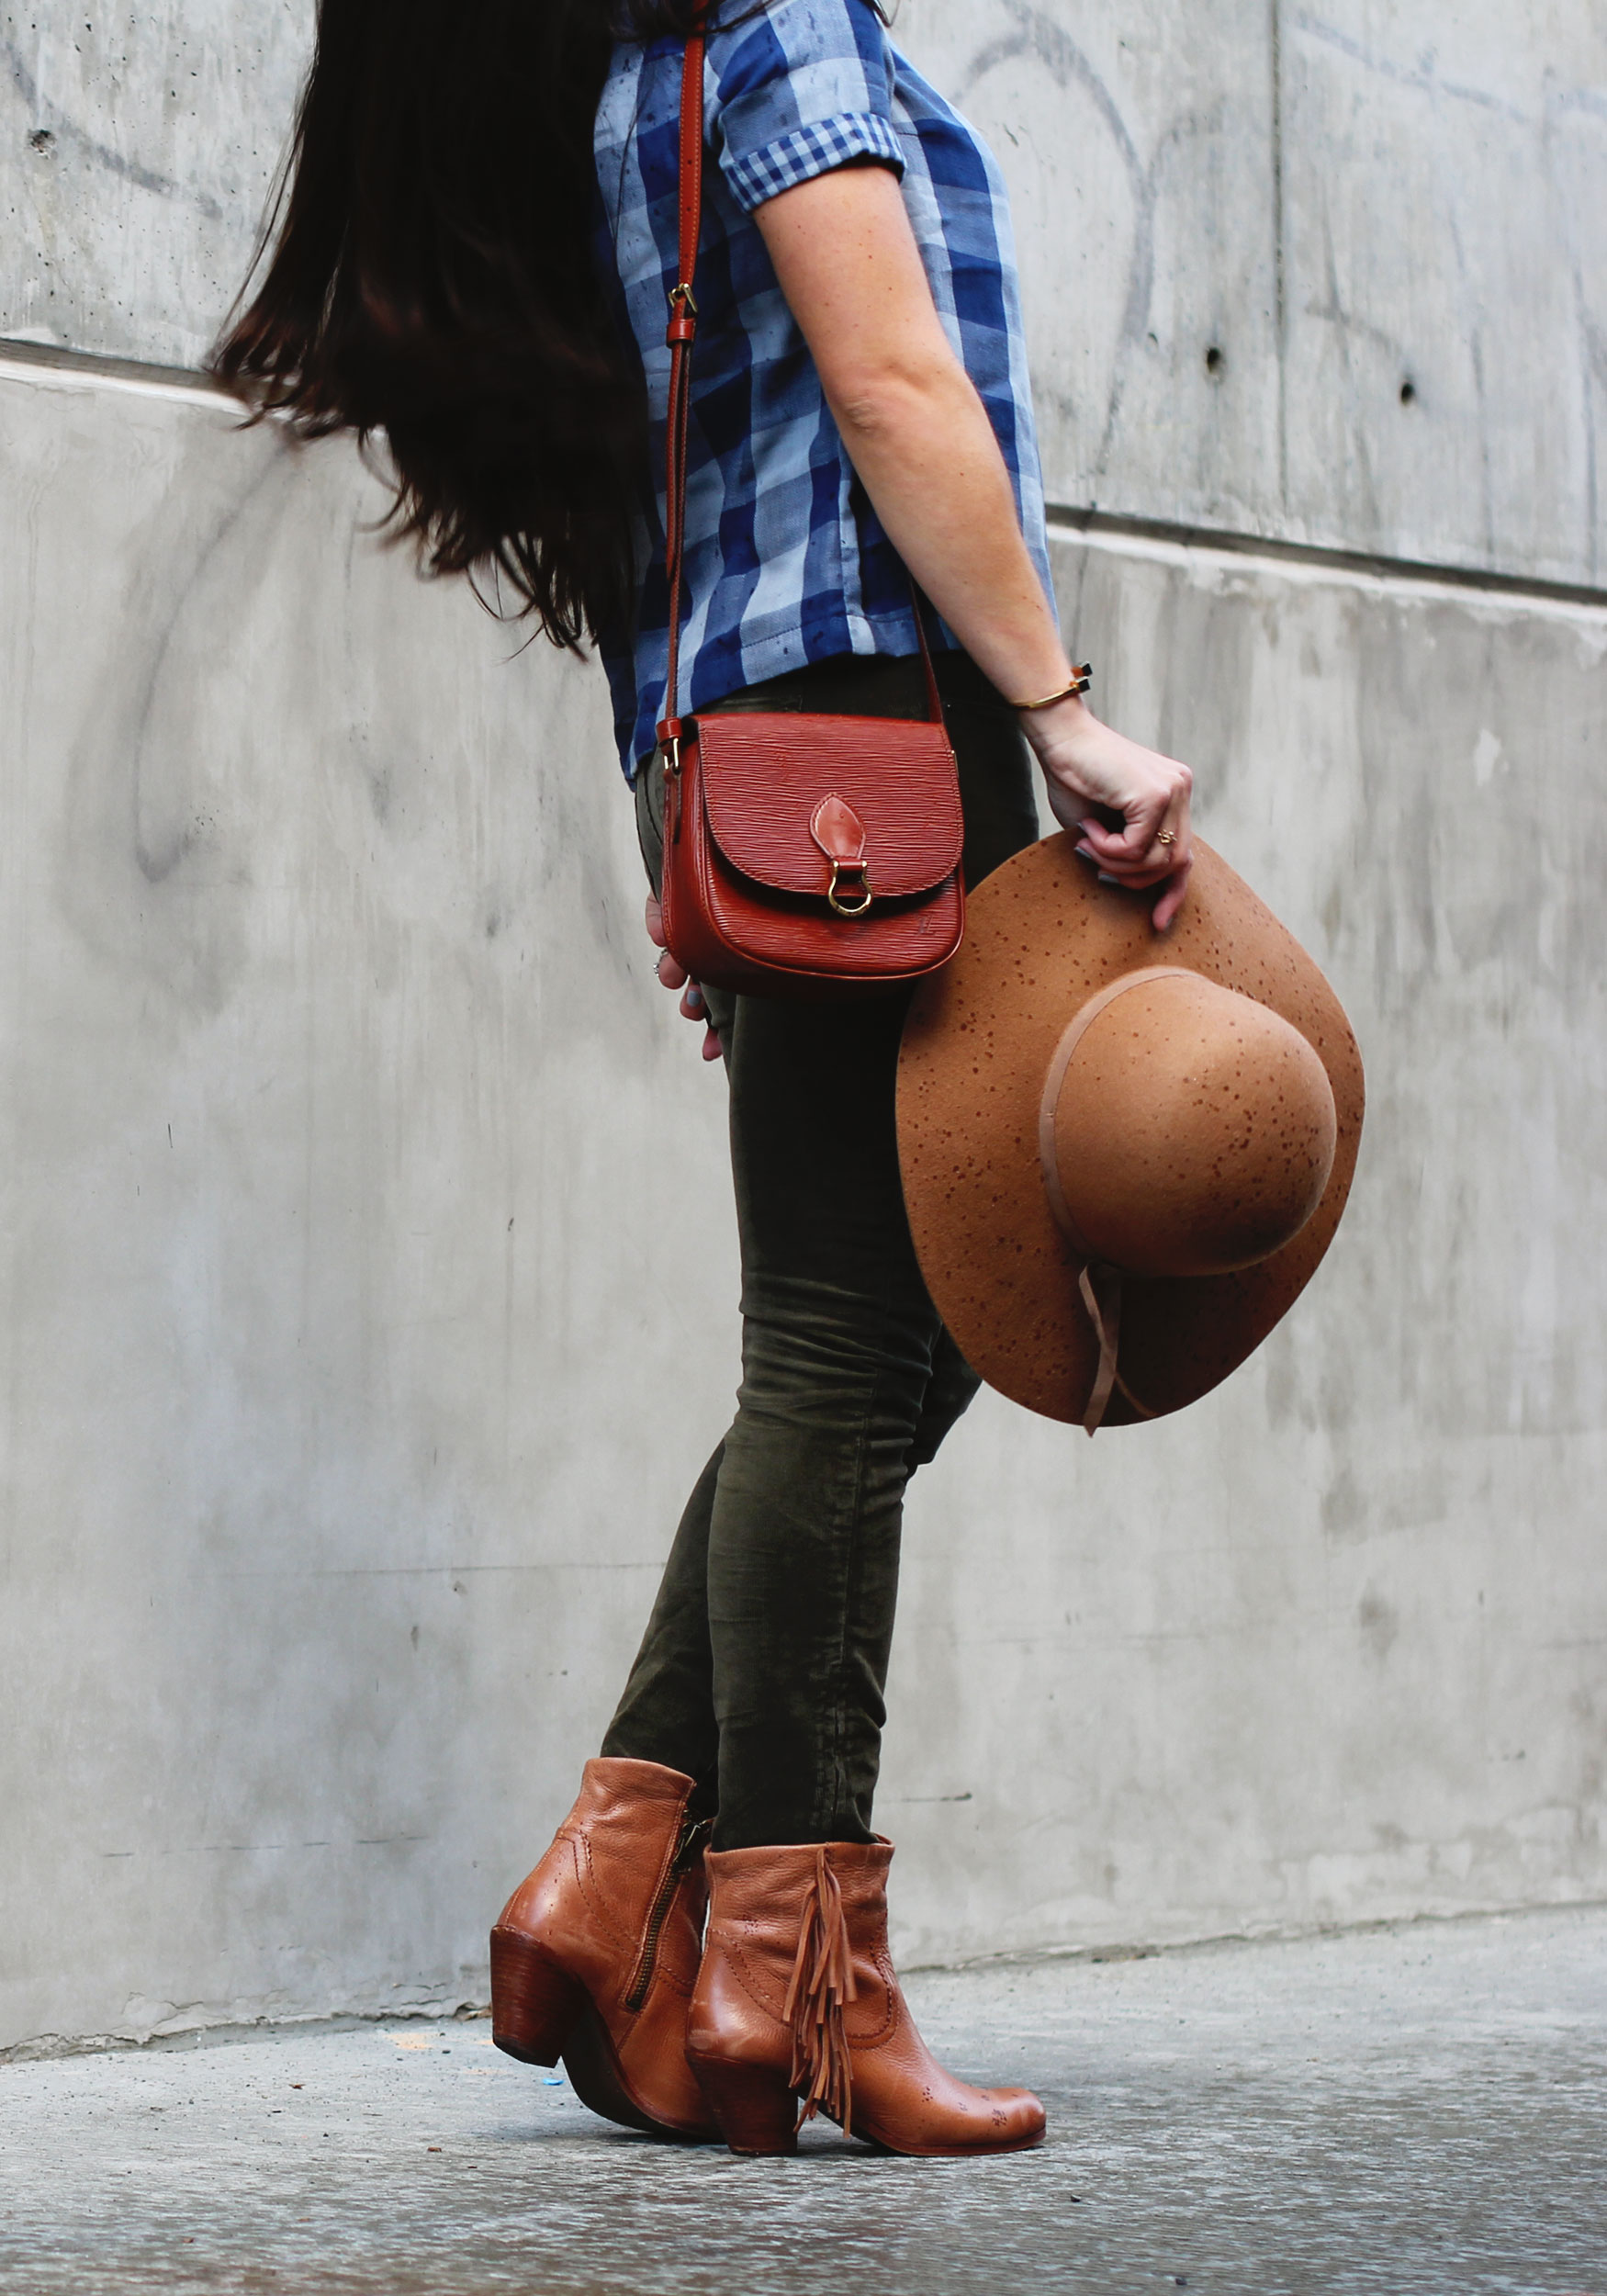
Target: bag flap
765	774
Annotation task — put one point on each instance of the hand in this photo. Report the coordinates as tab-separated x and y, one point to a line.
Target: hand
1086	765
673	975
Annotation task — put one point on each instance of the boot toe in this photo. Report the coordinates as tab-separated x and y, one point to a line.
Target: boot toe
1001	2121
1019	2116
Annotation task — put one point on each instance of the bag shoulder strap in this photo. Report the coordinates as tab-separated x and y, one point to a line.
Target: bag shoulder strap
680	336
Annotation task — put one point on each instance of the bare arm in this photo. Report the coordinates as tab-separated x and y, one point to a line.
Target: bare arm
920	439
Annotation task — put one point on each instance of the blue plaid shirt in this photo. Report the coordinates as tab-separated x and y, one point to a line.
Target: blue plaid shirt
786	560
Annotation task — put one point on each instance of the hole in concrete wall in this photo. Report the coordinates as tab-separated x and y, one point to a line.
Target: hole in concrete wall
41	140
1214	360
1408	394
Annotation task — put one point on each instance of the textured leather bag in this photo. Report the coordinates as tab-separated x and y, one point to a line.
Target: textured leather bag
804	854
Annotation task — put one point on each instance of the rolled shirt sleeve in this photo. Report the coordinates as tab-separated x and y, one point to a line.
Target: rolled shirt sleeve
797	92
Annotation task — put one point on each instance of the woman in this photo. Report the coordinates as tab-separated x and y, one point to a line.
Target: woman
478	246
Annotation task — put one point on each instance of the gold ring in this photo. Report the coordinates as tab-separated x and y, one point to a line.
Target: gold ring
1165	837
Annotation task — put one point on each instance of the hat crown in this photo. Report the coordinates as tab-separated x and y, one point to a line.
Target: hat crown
1187	1129
983	1141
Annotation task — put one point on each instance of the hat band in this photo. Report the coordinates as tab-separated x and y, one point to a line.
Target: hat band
1104	1313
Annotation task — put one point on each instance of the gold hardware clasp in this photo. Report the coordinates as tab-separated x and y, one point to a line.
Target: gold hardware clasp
850	908
683	294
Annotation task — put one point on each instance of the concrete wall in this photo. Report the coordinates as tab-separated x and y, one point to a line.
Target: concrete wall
365	1256
1339	203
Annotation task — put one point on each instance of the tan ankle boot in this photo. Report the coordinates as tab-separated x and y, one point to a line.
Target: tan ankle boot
796	1998
595	1956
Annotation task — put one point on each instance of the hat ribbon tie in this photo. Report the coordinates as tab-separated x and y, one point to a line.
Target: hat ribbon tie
1099	1282
1105	1314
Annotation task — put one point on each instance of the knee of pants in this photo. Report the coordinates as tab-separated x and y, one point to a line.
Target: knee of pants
819	1346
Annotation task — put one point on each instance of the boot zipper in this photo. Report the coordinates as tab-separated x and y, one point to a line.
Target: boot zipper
694	1832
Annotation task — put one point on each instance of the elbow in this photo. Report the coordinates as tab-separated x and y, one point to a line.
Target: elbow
881	402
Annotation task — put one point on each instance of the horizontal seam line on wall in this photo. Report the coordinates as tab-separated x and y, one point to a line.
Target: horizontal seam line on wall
141	374
1376	564
192	381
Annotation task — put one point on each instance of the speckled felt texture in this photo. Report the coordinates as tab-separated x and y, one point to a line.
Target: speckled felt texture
1043	936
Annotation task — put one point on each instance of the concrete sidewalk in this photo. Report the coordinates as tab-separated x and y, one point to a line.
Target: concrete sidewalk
1384	2111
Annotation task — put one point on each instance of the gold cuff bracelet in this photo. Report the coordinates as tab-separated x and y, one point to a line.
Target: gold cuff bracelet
1082	677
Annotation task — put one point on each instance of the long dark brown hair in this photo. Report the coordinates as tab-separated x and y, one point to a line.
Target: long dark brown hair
433	279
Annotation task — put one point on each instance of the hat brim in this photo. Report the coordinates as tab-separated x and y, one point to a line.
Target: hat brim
1042	935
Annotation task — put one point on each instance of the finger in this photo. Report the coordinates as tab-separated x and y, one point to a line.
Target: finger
670	975
1166	848
691	1004
713	1048
1133	876
1174	831
1139	820
1172	900
1135	841
655	920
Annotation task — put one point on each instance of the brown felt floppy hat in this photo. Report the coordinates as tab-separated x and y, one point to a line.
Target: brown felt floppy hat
1123	1154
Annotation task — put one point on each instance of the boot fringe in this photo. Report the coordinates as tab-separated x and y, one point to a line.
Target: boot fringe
822	1982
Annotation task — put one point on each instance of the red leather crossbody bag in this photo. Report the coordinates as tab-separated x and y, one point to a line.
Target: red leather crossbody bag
804	854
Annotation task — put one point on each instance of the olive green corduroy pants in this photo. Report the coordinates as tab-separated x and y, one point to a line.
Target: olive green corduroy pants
765	1662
